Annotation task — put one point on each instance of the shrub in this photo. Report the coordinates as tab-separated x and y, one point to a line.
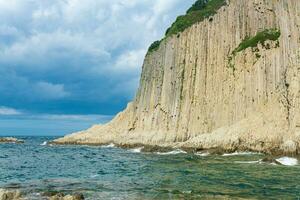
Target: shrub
259	38
198	5
200	10
154	46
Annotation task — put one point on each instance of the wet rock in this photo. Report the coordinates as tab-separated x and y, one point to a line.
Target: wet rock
61	196
10	194
270	160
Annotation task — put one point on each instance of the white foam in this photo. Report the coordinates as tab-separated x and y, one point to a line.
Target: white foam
44	143
287	161
239	153
203	154
137	150
248	162
111	145
174	152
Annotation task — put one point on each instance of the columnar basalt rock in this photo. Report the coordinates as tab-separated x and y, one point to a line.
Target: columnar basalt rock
193	94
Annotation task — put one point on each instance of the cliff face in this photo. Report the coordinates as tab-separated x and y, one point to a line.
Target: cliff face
197	91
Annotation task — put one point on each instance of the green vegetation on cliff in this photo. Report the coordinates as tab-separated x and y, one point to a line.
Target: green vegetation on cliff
259	38
154	46
200	10
252	42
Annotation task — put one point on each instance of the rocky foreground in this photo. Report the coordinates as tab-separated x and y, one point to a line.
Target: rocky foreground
6	194
230	80
11	140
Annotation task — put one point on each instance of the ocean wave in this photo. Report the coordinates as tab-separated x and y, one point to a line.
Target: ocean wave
45	143
248	162
203	154
240	153
287	161
174	152
137	150
111	145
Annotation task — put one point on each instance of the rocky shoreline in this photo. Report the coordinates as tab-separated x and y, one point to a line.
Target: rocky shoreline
269	156
11	140
210	144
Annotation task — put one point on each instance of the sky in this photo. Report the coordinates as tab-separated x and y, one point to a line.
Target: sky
65	64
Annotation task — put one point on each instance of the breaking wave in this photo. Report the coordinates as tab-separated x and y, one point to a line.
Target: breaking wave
203	154
111	145
45	143
287	161
137	150
240	153
174	152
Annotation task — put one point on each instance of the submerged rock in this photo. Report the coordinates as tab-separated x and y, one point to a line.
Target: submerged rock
270	160
11	140
61	196
10	194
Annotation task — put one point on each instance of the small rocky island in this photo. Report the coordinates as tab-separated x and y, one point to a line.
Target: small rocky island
11	140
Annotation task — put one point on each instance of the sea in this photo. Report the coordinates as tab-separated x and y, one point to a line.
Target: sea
108	172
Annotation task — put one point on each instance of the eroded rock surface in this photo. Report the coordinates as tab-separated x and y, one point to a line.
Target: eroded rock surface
193	93
10	194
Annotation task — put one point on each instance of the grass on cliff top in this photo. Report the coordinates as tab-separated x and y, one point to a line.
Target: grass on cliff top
199	11
259	38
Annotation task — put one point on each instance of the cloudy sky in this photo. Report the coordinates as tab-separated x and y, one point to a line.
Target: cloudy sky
74	60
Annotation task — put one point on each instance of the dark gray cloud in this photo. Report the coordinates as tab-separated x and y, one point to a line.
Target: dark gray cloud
74	56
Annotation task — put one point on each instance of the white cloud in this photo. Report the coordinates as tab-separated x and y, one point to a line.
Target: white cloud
130	60
70	117
9	111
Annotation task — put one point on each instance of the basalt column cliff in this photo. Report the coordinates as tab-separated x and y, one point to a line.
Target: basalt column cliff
226	75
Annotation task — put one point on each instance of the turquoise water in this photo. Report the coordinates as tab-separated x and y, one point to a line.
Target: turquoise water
113	173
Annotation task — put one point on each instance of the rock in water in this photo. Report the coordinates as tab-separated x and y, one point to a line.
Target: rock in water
10	194
61	196
10	140
228	80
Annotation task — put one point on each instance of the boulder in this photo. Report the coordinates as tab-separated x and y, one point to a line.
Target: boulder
10	194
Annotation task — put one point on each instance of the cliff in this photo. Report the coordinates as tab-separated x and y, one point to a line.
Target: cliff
231	80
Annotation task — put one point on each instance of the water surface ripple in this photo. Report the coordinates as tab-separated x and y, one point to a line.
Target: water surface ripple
113	173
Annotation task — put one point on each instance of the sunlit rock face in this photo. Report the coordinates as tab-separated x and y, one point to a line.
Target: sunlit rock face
225	82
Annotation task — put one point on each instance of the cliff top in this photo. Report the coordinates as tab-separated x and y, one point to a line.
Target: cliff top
199	11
